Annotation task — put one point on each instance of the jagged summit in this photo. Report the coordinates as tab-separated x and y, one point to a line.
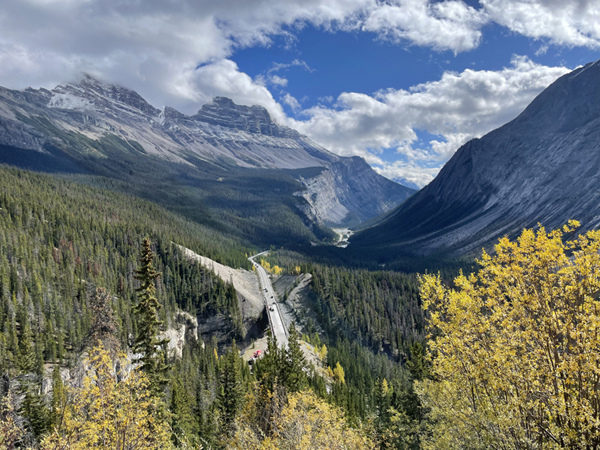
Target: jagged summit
91	93
253	119
543	166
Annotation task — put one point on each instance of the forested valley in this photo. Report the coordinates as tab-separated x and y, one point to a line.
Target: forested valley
69	260
94	285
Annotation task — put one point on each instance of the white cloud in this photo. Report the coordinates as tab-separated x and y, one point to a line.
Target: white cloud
178	53
449	25
279	81
223	78
276	67
458	107
291	102
563	22
411	176
155	46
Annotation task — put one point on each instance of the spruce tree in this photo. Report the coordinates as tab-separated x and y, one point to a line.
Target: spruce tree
26	350
148	344
59	397
269	368
184	422
231	389
295	378
33	408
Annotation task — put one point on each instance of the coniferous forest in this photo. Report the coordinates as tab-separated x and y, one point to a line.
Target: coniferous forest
70	272
93	283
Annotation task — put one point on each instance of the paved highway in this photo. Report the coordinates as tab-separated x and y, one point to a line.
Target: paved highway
275	317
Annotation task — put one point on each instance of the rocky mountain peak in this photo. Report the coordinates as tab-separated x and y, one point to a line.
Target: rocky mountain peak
253	119
339	190
90	92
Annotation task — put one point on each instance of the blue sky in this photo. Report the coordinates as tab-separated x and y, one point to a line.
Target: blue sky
359	62
402	83
316	66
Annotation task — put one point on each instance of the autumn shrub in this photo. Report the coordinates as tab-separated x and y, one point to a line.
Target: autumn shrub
305	422
516	347
111	410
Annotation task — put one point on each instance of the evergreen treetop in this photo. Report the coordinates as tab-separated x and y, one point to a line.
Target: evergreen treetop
148	344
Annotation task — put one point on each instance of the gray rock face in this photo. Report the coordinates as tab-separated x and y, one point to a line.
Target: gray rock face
342	194
346	191
543	167
253	119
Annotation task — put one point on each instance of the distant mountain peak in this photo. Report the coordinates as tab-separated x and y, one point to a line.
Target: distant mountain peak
254	119
90	93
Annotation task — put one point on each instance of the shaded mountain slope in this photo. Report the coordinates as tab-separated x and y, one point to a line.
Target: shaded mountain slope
544	166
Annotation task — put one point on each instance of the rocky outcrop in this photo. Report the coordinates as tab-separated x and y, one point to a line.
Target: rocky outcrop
224	112
542	167
346	191
183	329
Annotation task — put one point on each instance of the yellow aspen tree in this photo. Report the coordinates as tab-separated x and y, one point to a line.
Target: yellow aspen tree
516	347
338	373
323	353
10	432
111	411
305	423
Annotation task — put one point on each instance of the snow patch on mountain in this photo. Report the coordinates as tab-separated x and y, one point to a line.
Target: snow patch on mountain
70	101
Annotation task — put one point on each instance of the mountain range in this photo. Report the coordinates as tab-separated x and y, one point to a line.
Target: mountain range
543	167
102	129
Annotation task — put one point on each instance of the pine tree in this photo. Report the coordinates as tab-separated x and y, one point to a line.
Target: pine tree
184	424
148	344
294	376
269	368
26	356
59	397
231	390
35	411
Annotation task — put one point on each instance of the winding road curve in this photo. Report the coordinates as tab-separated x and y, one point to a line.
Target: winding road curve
270	298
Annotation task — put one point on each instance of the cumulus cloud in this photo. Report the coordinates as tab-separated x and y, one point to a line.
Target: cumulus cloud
458	107
279	81
223	78
154	46
157	46
570	23
291	102
448	25
179	53
412	176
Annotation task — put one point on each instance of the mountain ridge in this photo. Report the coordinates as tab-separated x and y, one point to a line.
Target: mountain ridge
220	133
541	167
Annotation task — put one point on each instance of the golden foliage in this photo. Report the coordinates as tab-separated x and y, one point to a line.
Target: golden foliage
323	353
111	411
338	373
10	433
516	347
305	423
